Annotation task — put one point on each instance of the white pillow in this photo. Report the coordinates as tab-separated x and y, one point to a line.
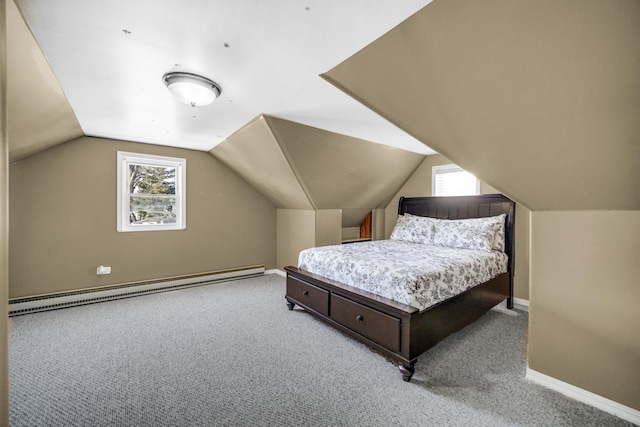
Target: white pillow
499	243
415	229
485	234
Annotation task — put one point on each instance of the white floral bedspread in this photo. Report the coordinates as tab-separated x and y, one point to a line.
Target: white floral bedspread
415	274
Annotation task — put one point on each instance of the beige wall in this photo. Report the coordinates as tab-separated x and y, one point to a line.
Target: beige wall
63	210
328	227
539	98
522	284
302	167
585	290
33	126
349	233
378	224
419	185
4	226
254	153
296	231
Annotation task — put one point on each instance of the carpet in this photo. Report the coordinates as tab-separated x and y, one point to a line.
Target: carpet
232	354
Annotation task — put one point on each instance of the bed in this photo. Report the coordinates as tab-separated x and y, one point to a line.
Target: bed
401	324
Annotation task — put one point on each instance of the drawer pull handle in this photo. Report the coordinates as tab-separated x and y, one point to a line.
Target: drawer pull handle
359	318
305	293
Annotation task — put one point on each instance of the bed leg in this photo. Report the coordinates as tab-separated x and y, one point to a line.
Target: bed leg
406	371
290	305
510	303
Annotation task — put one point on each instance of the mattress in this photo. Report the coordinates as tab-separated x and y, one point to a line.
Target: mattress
415	274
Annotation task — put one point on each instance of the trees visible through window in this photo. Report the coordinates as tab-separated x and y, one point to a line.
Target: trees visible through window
452	180
150	192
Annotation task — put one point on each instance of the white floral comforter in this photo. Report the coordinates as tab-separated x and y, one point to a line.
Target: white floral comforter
415	274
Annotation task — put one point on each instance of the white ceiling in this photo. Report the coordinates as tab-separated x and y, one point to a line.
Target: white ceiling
110	56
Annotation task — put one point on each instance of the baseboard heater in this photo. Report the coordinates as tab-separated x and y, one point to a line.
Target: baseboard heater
54	301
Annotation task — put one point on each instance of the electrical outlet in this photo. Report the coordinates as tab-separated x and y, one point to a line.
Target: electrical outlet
103	270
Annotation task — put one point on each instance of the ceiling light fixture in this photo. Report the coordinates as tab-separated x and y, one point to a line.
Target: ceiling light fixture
192	89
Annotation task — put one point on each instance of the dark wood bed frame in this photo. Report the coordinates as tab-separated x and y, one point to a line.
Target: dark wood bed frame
398	331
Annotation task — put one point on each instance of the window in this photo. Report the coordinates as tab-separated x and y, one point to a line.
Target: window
452	180
151	192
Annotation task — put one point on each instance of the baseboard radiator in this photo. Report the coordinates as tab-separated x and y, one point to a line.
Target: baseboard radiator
54	301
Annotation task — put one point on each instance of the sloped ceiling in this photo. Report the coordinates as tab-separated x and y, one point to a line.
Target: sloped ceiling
254	153
540	99
110	56
39	115
302	167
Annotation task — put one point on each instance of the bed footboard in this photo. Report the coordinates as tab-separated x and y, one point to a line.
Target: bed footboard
397	331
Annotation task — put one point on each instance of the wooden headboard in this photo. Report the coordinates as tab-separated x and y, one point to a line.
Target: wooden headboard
463	207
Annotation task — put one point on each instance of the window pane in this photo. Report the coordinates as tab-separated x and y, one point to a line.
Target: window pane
147	179
455	183
152	209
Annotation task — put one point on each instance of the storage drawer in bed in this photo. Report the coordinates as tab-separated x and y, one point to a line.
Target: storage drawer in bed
307	295
368	322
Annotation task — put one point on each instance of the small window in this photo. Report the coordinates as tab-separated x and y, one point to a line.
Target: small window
151	192
452	180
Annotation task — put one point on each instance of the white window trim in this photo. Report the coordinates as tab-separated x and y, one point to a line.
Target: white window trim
124	159
435	170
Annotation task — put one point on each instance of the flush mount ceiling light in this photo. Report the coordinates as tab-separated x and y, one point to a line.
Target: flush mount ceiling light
192	89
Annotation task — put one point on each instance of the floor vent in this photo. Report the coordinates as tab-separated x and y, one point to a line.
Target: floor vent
19	306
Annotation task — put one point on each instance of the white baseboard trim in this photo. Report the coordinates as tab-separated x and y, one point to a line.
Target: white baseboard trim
276	271
521	302
621	411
